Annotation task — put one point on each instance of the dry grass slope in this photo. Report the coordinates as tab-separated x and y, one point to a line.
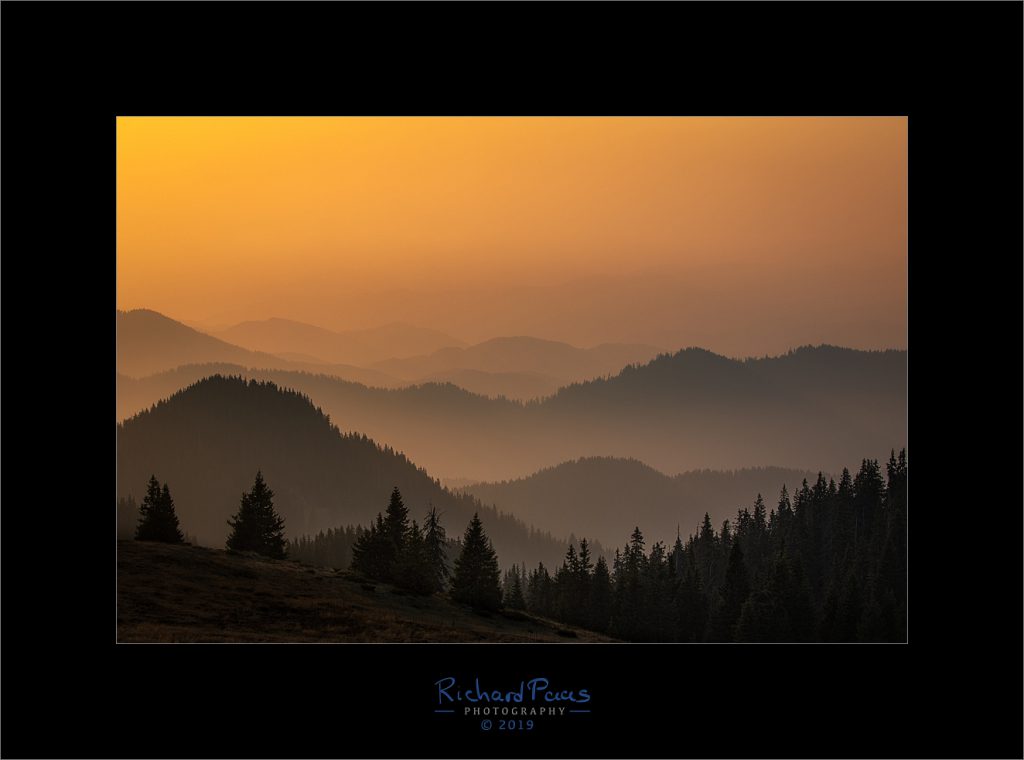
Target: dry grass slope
194	594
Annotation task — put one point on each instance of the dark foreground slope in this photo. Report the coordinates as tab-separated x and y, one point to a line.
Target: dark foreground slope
171	593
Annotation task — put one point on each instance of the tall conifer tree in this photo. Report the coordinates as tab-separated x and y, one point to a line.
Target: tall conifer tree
157	519
257	527
477	578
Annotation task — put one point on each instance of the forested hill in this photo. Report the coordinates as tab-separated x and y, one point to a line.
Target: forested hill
610	496
208	440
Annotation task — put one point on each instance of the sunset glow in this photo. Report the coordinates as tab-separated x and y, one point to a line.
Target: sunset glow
744	235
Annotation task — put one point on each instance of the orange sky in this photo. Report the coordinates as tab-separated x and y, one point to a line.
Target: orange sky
747	234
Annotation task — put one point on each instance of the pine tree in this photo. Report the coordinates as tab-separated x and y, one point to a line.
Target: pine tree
658	612
582	582
257	527
844	517
538	591
760	521
732	598
677	556
157	519
572	580
600	611
628	596
434	539
381	550
370	552
412	568
395	533
691	604
514	599
476	581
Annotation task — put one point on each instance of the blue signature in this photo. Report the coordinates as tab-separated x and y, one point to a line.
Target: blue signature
534	690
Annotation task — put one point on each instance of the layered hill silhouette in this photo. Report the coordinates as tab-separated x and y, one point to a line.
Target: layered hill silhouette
149	343
208	440
520	386
317	344
610	496
551	359
815	408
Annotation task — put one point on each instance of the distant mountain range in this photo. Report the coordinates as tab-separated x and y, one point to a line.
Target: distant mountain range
208	440
359	347
149	343
550	359
813	408
521	386
519	368
604	497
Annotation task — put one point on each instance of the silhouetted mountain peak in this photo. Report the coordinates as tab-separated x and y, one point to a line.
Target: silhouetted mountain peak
208	440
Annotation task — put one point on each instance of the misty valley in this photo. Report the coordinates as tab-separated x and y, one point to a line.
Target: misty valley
652	497
424	379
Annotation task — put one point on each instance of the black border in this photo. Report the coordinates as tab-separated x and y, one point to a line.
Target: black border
954	68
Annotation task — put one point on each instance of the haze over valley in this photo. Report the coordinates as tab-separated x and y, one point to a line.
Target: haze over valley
683	340
635	430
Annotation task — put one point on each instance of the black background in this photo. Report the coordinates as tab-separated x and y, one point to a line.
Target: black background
955	69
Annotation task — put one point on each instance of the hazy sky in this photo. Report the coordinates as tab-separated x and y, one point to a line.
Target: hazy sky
743	235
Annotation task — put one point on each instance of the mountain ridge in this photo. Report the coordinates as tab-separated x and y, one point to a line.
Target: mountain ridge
814	409
358	347
208	440
611	495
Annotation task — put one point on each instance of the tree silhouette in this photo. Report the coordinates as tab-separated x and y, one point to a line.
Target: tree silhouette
412	568
257	527
805	590
157	519
513	598
540	591
733	596
434	539
395	533
600	597
477	576
369	552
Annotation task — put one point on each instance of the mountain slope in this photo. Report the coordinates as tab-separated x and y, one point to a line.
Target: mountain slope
185	593
208	441
349	347
148	344
605	498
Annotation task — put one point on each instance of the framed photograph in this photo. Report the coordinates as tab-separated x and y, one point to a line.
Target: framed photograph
531	427
581	393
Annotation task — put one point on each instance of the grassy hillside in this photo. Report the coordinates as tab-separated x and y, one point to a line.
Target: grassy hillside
192	594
